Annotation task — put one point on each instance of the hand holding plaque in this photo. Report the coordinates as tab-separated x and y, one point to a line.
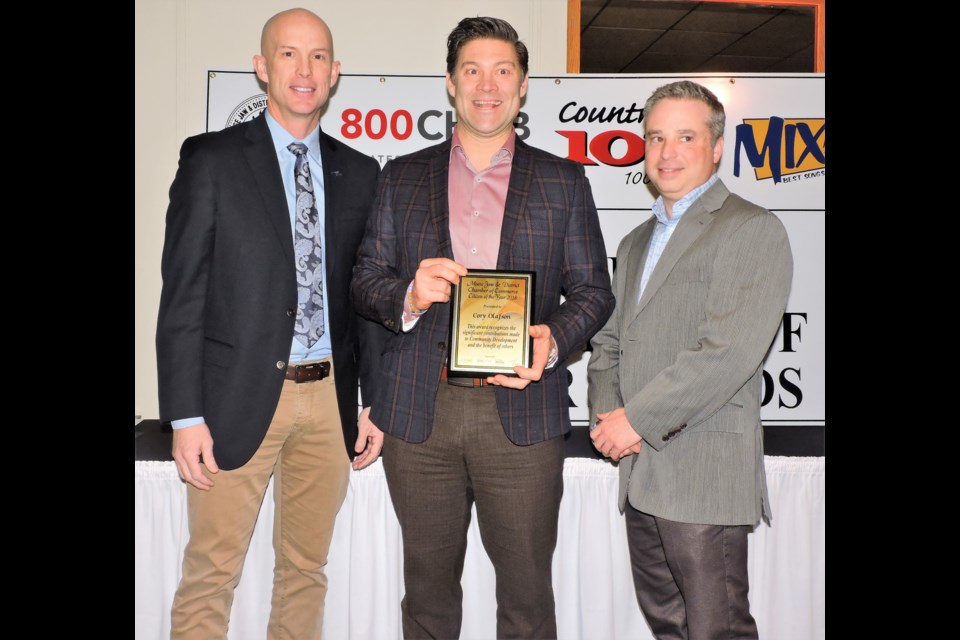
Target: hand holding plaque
490	317
433	280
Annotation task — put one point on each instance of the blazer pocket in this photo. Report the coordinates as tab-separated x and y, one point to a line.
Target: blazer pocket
399	342
217	353
686	270
537	234
730	418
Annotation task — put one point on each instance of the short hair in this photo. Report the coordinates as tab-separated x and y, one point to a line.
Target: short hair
686	90
473	28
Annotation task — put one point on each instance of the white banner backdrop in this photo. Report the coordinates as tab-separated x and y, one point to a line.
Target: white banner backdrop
774	155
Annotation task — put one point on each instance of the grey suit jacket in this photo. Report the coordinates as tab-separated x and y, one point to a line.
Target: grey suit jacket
685	360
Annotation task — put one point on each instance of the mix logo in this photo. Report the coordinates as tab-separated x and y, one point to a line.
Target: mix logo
777	147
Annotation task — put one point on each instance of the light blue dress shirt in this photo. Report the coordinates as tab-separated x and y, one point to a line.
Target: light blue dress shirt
665	227
281	139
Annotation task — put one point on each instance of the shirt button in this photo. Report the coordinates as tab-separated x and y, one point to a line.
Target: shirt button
281	364
474	250
476	213
291	313
478	178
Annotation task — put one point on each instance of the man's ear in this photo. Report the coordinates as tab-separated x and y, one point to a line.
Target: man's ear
451	87
718	150
334	73
260	66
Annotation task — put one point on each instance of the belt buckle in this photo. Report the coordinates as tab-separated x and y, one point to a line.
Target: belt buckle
473	383
305	372
458	381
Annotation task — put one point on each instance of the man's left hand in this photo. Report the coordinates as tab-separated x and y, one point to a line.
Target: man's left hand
614	437
541	353
369	441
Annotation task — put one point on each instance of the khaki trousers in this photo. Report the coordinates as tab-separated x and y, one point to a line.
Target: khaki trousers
303	449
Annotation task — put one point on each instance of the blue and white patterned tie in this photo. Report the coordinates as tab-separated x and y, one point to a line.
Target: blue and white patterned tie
307	251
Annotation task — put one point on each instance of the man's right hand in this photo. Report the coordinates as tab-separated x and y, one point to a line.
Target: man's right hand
433	279
189	444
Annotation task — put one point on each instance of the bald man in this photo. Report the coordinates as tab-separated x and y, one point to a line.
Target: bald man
259	350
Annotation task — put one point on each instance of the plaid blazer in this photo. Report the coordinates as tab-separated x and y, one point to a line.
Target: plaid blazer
550	226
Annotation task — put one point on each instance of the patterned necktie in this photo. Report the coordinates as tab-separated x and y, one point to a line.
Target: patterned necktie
306	243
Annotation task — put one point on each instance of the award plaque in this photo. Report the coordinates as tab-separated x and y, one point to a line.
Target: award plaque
490	315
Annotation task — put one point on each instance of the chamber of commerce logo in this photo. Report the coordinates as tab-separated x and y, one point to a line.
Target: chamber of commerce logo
782	148
248	109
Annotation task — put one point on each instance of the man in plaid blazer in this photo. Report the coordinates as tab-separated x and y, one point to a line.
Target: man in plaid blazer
483	199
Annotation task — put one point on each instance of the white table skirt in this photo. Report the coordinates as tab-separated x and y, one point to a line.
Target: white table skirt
592	582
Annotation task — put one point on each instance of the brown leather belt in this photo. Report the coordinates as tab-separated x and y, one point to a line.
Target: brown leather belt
308	372
463	382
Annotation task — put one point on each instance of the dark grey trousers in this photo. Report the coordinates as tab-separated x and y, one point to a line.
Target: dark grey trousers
691	579
517	489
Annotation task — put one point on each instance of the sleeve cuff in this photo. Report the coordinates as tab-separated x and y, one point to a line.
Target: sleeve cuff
554	353
186	422
410	314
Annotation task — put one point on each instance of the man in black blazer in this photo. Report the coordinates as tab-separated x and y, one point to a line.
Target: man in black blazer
259	350
483	199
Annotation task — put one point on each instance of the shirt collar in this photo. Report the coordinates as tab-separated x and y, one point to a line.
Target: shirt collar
680	206
282	138
504	152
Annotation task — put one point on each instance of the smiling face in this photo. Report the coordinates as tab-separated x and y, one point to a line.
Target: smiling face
298	67
487	86
679	153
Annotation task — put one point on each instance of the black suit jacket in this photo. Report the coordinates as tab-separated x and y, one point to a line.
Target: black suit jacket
229	295
550	226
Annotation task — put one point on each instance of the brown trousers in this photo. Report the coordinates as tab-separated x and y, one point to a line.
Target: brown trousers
517	489
691	579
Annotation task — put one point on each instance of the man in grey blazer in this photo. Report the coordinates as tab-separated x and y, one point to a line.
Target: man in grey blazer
674	379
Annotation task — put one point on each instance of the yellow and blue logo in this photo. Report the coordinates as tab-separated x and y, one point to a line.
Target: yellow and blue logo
776	147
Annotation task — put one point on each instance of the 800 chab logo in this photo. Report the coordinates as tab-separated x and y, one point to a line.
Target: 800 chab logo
377	124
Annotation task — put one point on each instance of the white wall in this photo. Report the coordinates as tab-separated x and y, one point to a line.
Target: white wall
177	41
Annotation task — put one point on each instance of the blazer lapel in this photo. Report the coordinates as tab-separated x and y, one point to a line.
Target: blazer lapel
633	268
694	222
262	158
332	194
438	179
521	175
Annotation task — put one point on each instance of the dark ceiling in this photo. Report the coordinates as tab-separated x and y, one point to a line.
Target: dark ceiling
651	36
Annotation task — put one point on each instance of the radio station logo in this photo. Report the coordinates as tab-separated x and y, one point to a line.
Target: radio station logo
614	147
248	109
782	148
